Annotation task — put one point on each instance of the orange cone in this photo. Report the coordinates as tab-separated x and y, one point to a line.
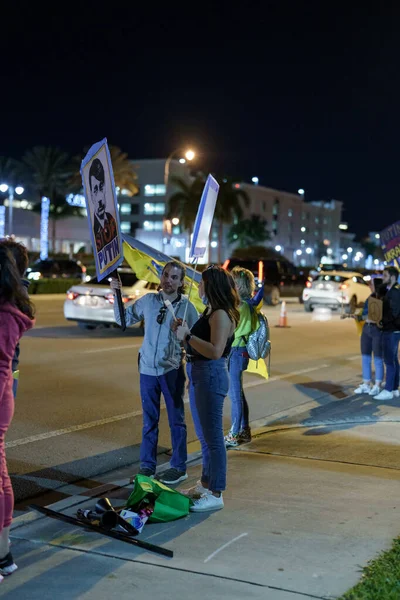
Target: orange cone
283	320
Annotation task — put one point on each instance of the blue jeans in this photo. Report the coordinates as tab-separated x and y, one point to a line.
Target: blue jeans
372	342
172	386
391	355
238	362
209	380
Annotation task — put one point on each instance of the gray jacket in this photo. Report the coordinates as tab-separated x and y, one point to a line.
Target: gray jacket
161	351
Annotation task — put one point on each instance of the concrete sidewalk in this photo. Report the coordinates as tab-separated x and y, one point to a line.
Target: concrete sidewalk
310	500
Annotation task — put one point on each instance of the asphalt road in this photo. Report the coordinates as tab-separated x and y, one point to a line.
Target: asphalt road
78	410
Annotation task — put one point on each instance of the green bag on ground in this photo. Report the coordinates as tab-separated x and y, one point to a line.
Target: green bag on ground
169	504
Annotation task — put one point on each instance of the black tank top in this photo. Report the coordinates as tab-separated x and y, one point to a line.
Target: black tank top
202	330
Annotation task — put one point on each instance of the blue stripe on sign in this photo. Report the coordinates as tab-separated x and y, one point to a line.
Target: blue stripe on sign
199	216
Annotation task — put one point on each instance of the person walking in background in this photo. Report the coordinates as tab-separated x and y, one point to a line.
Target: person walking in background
16	317
371	343
209	343
20	254
161	369
391	333
240	432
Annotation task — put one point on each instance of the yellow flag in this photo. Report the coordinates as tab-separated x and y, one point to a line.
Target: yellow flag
258	367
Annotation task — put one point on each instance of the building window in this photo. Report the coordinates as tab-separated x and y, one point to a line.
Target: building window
325	221
275	217
125	227
290	226
157	208
134	226
290	213
125	209
154	190
153	225
317	219
135	209
316	233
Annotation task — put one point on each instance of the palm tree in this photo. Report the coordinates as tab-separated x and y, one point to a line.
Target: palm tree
249	232
229	207
184	203
9	171
47	172
124	172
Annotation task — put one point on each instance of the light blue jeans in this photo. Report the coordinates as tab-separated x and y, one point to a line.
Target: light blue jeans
238	362
372	342
209	384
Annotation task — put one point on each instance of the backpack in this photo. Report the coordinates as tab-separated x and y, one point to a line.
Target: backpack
258	344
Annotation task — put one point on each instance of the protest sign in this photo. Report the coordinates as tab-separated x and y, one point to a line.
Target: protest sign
390	243
204	218
102	209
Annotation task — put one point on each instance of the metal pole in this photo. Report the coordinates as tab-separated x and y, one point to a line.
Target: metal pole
10	209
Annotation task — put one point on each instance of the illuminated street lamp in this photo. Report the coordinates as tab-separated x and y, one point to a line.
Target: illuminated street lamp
278	248
301	192
175	221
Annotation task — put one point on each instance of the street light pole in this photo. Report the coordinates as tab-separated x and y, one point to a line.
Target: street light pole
4	187
189	155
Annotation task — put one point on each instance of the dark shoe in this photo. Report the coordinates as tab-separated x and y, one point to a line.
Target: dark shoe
147	472
7	565
245	436
172	476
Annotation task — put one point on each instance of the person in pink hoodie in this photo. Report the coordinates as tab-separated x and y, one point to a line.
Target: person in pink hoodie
16	317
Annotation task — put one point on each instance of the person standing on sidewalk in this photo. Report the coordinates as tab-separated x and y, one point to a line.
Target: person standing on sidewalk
161	369
20	254
371	343
16	317
391	333
209	344
240	432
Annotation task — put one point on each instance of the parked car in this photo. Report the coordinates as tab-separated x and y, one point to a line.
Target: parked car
334	289
56	268
91	304
280	277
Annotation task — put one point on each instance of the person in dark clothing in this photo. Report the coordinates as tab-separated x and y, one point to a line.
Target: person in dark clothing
391	333
21	258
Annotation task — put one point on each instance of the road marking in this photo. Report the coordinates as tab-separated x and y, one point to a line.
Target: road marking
284	376
57	432
225	546
112	348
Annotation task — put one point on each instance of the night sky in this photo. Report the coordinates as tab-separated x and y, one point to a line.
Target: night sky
300	94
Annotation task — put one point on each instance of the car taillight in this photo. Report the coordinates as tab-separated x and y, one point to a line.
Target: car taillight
343	286
72	295
110	298
308	284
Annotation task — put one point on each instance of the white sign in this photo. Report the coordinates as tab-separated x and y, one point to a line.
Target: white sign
102	209
204	218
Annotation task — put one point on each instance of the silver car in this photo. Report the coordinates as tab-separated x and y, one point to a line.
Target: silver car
92	304
336	289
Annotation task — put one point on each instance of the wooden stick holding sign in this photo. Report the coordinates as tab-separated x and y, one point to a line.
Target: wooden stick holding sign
103	215
202	226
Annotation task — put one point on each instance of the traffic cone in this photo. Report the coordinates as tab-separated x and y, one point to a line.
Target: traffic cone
283	320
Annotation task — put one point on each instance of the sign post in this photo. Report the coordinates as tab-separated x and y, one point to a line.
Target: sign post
103	215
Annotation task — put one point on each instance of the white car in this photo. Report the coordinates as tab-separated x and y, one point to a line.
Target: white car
92	304
335	289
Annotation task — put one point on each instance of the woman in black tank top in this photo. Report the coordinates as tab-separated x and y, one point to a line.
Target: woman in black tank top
208	346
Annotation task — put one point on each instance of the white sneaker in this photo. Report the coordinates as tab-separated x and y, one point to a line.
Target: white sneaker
195	491
374	390
396	393
364	388
384	395
207	502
